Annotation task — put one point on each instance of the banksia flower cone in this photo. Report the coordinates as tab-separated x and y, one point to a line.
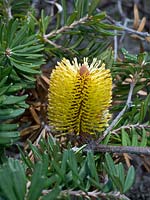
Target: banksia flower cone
79	97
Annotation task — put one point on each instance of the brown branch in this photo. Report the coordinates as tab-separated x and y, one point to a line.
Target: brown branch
93	194
128	104
120	149
129	126
66	28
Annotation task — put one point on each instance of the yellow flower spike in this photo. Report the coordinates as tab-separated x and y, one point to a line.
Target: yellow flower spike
79	97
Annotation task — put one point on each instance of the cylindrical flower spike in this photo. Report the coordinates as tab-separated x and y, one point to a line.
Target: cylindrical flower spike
79	97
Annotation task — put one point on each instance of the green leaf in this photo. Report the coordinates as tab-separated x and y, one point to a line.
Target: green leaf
142	114
72	18
144	108
35	151
110	164
64	162
44	21
25	158
7	138
143	142
94	183
8	127
125	138
106	139
141	58
25	68
13	26
108	26
129	57
14	99
129	179
64	7
92	7
10	113
116	180
37	181
81	7
18	37
92	166
72	162
121	173
134	137
16	87
30	78
4	89
3	81
28	45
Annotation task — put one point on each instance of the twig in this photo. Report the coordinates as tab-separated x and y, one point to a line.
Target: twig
93	194
115	46
65	28
120	149
142	34
129	30
125	25
123	15
8	10
129	126
119	4
128	104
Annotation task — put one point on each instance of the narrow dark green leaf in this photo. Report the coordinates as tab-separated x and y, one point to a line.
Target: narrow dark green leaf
129	179
64	7
14	99
37	181
11	113
8	127
72	18
92	7
110	164
92	166
143	142
134	137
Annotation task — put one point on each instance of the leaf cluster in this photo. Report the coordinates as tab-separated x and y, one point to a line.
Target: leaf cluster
61	175
20	60
131	68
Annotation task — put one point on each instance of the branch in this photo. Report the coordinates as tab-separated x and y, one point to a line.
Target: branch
66	28
128	104
120	149
129	126
58	46
94	194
